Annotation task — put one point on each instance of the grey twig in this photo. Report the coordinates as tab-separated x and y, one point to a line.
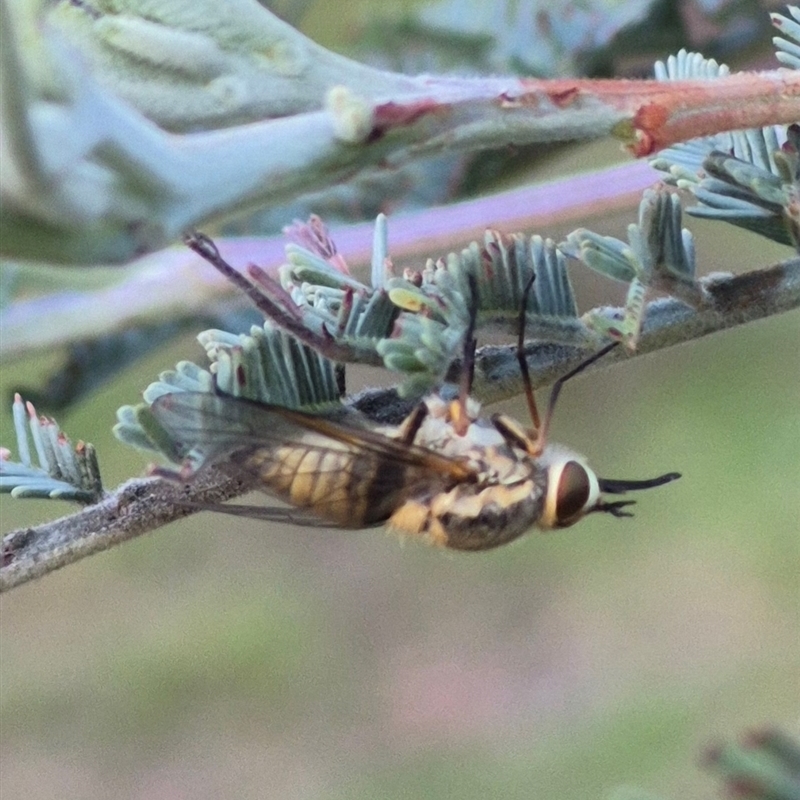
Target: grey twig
143	505
136	507
732	300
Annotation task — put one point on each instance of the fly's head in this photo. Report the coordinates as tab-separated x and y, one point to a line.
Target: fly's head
574	489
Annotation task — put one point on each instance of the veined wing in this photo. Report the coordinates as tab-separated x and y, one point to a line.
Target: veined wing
351	475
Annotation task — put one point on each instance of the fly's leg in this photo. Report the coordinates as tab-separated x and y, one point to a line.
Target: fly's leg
459	417
530	398
411	424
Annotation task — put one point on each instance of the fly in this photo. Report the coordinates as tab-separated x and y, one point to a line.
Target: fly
446	475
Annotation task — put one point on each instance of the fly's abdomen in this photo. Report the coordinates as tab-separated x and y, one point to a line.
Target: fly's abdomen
354	489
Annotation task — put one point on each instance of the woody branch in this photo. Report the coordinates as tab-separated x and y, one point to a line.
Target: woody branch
143	505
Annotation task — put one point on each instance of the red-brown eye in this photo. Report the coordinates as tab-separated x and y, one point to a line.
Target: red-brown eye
572	494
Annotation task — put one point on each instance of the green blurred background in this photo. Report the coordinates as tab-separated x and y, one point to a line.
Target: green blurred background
222	658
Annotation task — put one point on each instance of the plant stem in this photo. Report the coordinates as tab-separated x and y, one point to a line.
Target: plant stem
142	505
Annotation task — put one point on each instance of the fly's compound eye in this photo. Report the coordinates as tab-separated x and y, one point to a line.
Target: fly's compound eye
572	491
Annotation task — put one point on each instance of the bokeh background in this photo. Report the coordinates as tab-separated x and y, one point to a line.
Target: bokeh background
223	658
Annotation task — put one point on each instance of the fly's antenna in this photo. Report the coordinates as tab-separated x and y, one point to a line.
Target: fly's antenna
615	486
458	409
523	361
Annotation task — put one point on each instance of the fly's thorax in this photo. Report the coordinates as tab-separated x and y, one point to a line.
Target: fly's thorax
502	501
480	438
572	487
474	516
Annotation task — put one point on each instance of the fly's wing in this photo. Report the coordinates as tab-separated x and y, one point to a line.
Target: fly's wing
350	475
286	516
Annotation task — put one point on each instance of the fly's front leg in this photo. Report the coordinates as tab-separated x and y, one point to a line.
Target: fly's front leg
410	426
